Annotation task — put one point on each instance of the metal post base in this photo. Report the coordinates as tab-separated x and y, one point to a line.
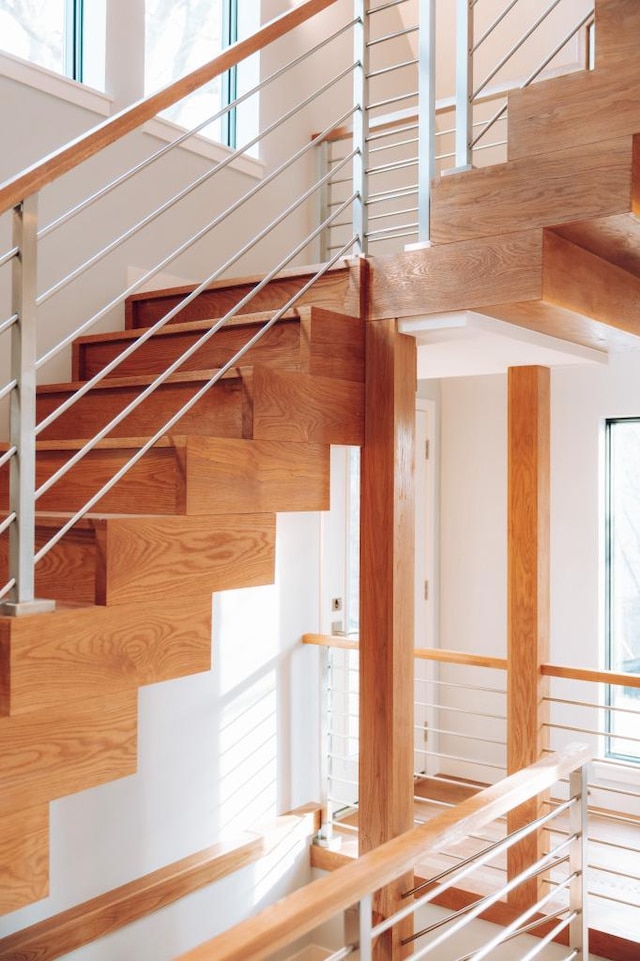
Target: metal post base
25	608
463	168
418	245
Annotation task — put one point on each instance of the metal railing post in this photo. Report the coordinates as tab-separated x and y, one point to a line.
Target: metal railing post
464	83
361	121
426	116
579	927
365	940
322	198
22	475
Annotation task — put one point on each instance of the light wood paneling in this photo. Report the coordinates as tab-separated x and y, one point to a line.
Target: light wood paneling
465	276
617	31
154	558
337	289
578	109
299	407
386	603
589	285
79	653
228	476
566	185
528	494
616	239
24	858
333	344
64	749
218	413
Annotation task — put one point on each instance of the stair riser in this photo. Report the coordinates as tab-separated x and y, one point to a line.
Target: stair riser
219	413
337	290
74	655
49	754
121	562
280	347
24	858
155	485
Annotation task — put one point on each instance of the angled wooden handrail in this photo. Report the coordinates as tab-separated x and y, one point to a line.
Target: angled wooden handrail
109	912
295	916
61	161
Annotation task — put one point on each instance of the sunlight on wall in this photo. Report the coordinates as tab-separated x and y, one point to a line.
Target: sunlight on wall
246	646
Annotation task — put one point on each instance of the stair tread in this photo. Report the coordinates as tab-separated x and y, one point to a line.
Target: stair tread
172	330
143	380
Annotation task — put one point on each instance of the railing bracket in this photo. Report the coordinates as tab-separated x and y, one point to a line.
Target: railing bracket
26	608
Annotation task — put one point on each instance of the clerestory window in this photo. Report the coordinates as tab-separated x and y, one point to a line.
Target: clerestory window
622	582
49	33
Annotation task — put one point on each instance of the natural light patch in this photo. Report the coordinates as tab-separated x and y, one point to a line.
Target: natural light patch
249	755
247	633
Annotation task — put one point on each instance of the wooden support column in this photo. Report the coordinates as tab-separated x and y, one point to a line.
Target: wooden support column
387	603
527	597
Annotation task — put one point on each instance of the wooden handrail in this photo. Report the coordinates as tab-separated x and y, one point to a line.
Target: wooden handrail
422	653
596	677
59	162
295	916
71	929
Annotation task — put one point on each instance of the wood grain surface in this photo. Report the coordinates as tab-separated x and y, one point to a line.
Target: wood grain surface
575	183
225	475
299	407
79	653
24	857
67	748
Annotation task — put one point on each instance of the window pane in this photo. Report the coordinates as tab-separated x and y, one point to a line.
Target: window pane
181	35
34	30
624	582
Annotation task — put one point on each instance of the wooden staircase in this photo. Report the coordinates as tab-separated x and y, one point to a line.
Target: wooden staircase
194	516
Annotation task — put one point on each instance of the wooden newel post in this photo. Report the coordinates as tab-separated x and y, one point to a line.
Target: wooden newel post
386	605
527	598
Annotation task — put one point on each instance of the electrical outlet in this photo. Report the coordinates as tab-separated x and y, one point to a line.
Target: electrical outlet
336	603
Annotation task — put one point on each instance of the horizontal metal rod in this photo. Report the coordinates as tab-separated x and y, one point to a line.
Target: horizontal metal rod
461	710
472	737
614	790
394	146
489	124
495	23
623	765
8	454
6	390
523	39
549	937
406	233
612	871
203	390
385	6
10	254
187	191
384	195
394	213
609	897
342	780
396	66
392	36
492	146
133	288
594	705
8	521
586	730
393	165
384	232
7	587
384	103
8	323
547	60
612	844
394	131
466	760
341	953
64	218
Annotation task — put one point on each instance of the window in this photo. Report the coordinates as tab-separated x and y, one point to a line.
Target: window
45	32
623	581
181	35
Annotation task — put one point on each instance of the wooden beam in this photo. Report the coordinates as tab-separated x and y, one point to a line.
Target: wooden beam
527	596
386	599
